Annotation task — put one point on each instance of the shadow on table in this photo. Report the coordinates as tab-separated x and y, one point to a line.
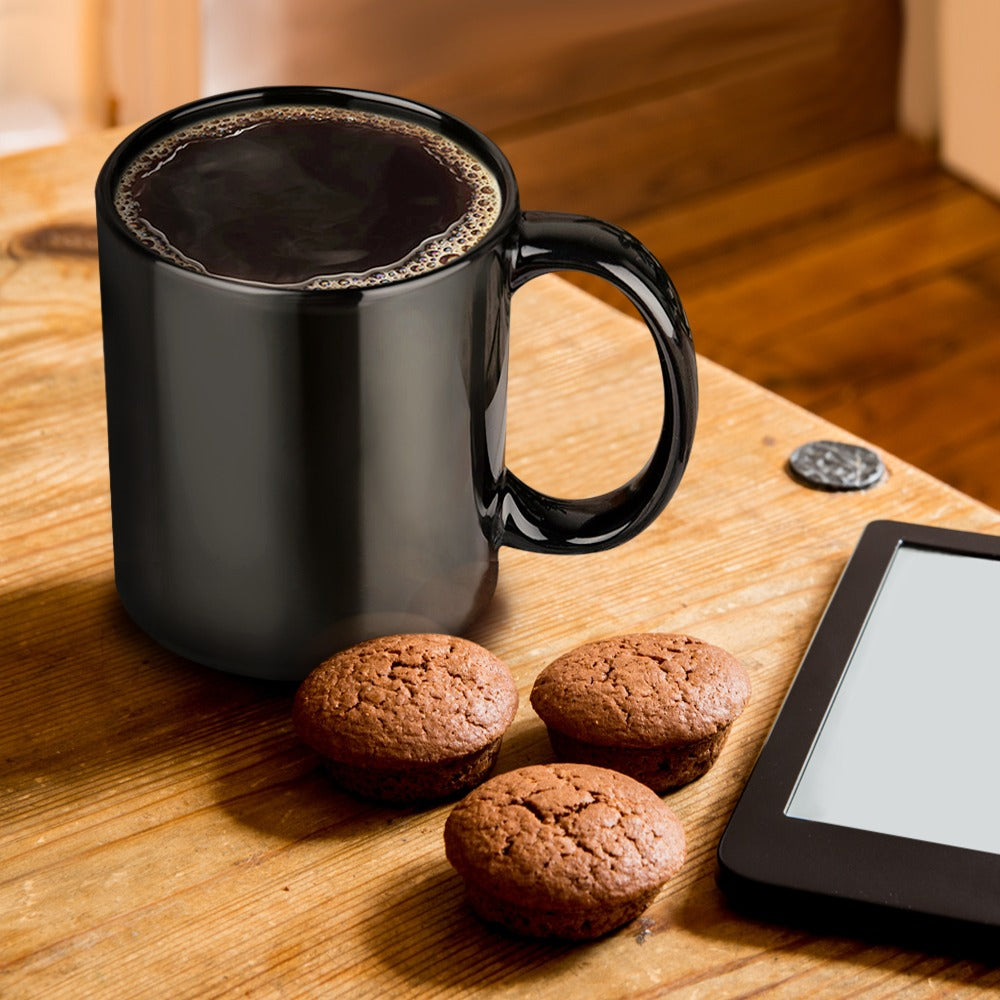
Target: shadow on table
881	945
92	703
423	934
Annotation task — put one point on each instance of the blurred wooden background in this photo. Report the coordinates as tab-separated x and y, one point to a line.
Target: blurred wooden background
752	144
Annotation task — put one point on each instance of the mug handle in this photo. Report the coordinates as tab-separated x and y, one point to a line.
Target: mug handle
552	241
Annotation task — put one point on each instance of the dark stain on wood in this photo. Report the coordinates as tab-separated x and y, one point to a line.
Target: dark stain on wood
65	239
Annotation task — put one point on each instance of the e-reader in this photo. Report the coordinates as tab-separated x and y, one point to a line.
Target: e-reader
875	800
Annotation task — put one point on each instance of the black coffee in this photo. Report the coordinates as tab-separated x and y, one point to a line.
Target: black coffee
314	197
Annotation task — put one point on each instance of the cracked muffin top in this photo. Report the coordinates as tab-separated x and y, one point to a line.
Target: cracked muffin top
558	836
642	690
405	699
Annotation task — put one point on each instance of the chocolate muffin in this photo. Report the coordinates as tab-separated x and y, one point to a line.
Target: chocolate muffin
656	706
407	717
563	850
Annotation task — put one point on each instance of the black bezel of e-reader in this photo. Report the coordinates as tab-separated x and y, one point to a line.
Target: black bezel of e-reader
838	879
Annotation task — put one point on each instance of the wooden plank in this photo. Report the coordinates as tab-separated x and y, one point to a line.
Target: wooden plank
664	147
789	314
739	318
933	395
944	320
712	239
604	109
517	67
984	272
845	284
152	56
497	67
715	237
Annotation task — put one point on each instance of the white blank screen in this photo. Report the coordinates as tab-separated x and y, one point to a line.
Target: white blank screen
910	744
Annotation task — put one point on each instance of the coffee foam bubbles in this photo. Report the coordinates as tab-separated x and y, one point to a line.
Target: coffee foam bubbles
435	252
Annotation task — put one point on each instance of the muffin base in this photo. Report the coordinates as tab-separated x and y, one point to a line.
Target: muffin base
661	768
416	782
578	924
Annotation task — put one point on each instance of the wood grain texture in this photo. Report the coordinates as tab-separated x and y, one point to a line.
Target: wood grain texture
861	284
603	108
729	122
162	833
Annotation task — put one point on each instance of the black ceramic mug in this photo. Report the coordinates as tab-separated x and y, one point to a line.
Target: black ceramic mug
296	468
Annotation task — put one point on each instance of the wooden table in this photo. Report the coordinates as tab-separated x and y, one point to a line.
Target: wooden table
163	834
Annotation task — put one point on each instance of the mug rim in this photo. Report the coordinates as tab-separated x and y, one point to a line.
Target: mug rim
174	119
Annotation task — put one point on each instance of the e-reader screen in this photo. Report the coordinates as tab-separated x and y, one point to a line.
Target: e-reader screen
910	743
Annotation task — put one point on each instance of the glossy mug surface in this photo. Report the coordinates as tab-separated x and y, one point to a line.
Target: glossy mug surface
305	297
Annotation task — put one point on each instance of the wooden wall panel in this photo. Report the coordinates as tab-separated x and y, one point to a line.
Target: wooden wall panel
607	109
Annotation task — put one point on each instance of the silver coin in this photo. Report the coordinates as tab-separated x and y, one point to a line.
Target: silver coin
835	465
